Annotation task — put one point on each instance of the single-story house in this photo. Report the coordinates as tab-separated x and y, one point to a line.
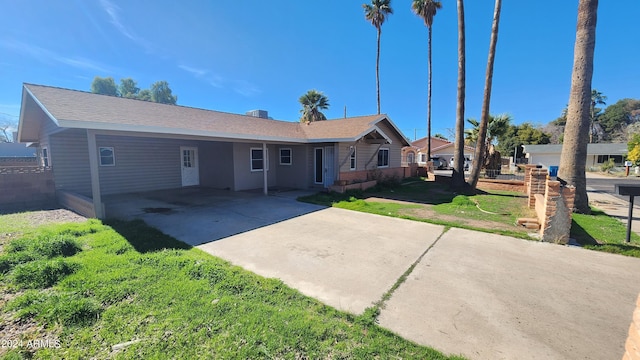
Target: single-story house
443	149
16	154
99	145
597	154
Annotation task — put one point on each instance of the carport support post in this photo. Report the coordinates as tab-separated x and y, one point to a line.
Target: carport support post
95	176
264	168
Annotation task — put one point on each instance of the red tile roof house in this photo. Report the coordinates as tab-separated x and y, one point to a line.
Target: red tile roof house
99	145
417	151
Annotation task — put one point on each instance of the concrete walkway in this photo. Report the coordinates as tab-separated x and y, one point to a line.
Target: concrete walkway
482	295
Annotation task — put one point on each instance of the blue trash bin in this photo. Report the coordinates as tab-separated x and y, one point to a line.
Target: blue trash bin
553	171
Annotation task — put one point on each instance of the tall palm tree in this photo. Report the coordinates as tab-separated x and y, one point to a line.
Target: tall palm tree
427	9
597	98
312	102
576	132
377	13
481	146
457	178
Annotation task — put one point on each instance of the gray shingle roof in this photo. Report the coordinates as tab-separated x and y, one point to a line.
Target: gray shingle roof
79	109
592	149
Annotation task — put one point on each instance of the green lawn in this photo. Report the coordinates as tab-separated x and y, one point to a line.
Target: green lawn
476	212
601	232
88	287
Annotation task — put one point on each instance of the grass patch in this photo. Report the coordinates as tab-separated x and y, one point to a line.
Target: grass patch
448	206
599	231
133	284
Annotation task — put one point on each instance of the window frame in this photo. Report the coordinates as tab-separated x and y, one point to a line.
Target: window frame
353	158
290	156
264	159
387	158
46	157
113	155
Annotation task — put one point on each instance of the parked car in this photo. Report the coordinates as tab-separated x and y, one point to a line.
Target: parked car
439	163
467	164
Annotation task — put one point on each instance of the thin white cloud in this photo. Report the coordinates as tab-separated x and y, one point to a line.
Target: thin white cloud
48	56
114	15
246	88
205	75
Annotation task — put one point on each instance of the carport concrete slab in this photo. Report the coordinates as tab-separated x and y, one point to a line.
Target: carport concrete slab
200	215
344	258
494	297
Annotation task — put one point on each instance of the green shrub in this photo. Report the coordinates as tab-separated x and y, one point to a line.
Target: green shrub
56	245
609	165
462	200
41	274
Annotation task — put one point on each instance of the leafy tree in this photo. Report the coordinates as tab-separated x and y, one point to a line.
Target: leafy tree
617	116
312	102
596	99
376	13
457	178
634	149
482	145
161	93
145	95
523	134
427	9
129	88
104	86
576	132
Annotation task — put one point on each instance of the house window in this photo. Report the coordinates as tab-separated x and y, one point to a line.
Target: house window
257	159
410	158
285	156
383	158
423	158
352	158
107	156
605	158
45	157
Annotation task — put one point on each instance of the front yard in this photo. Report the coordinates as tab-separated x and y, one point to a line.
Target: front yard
488	211
88	290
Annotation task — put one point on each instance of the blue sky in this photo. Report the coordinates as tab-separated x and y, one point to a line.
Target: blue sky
236	56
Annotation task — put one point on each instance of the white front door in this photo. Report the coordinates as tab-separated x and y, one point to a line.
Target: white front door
189	164
329	169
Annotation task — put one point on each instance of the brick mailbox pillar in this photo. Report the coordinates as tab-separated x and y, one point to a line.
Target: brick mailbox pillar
558	207
535	179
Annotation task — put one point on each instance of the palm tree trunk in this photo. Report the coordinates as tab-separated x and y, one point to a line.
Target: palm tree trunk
429	100
482	143
457	180
574	149
378	70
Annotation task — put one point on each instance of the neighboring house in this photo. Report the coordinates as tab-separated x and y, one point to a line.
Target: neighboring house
100	145
16	154
443	149
597	154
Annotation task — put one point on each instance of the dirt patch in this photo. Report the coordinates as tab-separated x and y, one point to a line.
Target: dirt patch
424	211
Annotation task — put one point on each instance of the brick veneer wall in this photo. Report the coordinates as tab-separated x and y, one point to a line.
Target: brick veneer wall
377	174
505	185
536	183
26	188
632	347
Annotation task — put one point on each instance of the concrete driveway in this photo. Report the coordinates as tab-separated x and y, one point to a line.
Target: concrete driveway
482	295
